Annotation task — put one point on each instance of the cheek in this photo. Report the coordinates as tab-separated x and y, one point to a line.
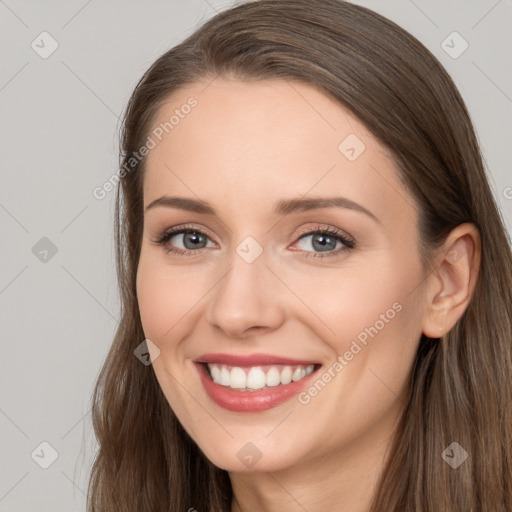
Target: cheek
164	300
371	320
367	379
154	299
357	302
165	294
377	336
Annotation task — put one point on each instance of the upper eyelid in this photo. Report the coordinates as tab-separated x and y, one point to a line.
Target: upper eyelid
316	227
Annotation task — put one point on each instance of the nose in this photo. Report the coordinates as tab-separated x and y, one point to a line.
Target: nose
249	299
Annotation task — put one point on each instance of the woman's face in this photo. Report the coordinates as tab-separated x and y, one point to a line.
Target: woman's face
261	277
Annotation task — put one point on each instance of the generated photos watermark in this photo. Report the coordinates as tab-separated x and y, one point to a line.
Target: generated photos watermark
156	136
344	359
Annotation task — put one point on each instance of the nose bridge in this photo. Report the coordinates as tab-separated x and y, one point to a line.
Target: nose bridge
246	295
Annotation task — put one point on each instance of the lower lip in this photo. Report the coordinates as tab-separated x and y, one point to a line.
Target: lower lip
250	401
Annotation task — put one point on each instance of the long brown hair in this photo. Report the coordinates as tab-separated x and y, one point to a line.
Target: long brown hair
461	387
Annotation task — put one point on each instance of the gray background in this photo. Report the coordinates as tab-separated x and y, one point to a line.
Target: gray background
59	129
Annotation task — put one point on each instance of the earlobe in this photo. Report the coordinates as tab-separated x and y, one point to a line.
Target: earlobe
453	281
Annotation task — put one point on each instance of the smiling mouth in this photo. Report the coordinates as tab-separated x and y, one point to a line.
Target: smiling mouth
257	378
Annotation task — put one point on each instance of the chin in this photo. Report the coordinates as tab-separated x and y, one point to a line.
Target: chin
247	456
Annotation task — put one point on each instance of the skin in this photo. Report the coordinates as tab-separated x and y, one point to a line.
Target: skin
244	147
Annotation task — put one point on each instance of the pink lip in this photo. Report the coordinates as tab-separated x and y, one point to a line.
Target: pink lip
251	401
250	360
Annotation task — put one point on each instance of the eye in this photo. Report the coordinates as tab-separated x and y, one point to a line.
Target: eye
192	240
325	240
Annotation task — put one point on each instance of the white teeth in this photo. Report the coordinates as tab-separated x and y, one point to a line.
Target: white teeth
297	375
286	375
273	377
256	378
238	378
224	376
215	373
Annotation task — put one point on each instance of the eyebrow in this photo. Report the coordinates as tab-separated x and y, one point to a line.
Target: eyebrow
282	207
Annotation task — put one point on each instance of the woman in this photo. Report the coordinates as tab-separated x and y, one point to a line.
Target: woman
310	256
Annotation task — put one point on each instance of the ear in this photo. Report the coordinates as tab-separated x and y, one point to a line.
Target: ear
453	280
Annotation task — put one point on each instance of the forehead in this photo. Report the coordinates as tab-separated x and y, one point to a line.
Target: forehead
257	142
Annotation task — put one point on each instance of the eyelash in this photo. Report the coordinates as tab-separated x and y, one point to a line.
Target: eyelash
349	244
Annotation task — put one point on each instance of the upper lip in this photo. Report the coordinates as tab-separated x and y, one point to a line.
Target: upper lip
251	360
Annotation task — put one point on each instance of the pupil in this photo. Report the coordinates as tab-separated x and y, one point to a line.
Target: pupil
324	240
192	235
